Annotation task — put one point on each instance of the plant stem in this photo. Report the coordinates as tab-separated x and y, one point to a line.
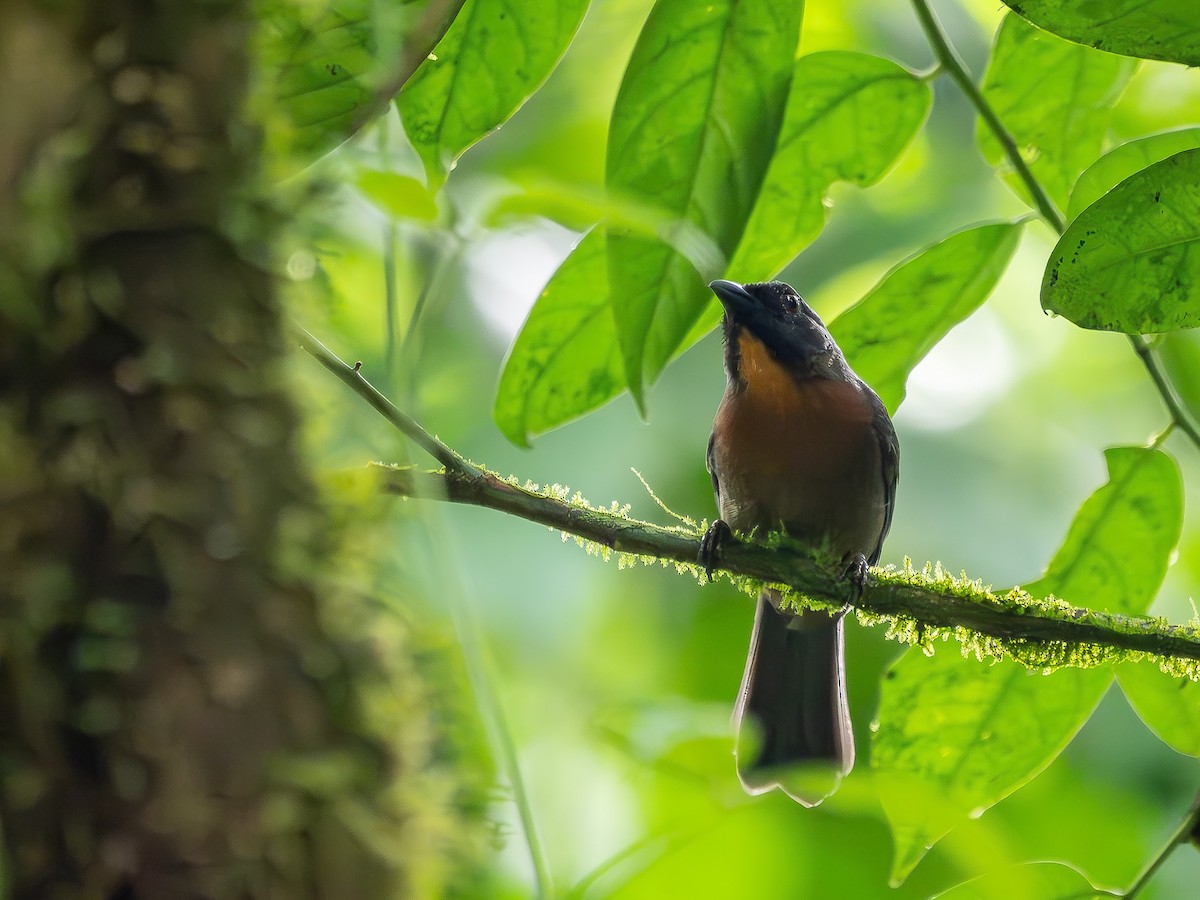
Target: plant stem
481	674
445	252
1178	415
957	70
1184	833
388	238
390	300
950	61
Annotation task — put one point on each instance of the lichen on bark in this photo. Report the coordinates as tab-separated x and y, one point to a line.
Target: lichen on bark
190	706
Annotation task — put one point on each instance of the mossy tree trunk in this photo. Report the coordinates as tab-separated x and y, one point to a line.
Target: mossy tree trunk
176	717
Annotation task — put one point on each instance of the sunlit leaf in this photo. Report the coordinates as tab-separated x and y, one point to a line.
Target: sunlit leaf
1043	880
1120	542
493	57
1119	163
693	130
1055	99
848	117
891	329
1169	705
955	737
579	206
1151	29
321	77
565	359
398	195
326	67
1131	261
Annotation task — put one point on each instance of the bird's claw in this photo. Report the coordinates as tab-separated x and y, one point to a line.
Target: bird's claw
710	546
856	574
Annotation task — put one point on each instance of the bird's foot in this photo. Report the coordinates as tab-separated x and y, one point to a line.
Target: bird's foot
856	574
710	545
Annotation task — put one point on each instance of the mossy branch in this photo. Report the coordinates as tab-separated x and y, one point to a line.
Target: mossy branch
919	606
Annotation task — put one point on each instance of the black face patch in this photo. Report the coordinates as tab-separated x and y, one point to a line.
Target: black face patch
775	314
776	294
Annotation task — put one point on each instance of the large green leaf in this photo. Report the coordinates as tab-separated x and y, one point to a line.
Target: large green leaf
693	129
1119	163
1055	99
1131	261
1151	29
1120	542
565	360
891	329
954	737
325	66
1169	705
848	117
494	56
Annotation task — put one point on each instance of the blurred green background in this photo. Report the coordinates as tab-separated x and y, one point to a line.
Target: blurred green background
617	686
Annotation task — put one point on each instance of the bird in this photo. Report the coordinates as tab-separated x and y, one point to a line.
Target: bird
800	445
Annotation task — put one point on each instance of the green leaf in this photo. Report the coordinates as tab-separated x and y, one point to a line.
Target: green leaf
1150	29
1131	261
848	117
580	206
1120	542
1119	163
955	737
693	130
1170	706
565	360
397	195
888	332
1040	880
1055	99
493	57
324	68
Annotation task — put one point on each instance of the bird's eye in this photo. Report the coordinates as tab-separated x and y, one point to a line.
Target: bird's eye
791	303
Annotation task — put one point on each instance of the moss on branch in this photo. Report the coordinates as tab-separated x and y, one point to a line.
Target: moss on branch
918	606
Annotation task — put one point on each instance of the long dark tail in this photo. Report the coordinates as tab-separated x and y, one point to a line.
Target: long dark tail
792	718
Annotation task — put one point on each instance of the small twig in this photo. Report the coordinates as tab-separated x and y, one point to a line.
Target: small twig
351	376
1187	831
950	61
1178	415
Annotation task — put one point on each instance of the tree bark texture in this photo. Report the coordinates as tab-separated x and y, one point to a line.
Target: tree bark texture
179	716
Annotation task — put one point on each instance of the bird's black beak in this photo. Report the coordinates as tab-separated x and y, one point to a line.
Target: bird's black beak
738	302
